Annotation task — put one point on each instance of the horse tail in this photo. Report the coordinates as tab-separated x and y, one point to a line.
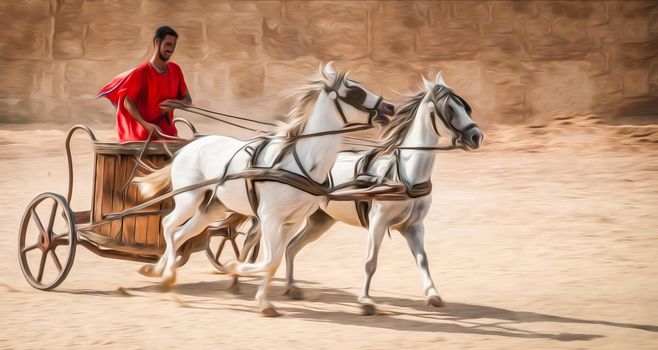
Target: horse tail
155	182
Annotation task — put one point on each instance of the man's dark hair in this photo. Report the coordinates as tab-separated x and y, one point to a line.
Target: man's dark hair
163	31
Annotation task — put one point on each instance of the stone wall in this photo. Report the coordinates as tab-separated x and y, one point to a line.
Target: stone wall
512	61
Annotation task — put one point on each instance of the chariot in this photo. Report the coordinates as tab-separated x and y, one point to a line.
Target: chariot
50	231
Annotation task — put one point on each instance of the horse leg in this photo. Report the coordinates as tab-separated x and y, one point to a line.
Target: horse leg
376	233
253	236
415	235
194	226
274	238
317	225
185	205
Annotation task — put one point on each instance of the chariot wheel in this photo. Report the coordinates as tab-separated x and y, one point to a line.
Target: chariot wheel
47	224
224	244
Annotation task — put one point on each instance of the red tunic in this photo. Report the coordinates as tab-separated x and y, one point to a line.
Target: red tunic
147	88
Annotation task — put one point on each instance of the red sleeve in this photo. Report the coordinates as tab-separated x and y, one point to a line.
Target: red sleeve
133	84
111	90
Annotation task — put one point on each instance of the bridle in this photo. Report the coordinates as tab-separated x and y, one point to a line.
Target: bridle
355	101
355	97
440	101
348	127
440	96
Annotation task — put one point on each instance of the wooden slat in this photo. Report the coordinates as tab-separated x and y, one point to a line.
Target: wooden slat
108	189
98	188
117	194
140	224
129	221
160	242
153	222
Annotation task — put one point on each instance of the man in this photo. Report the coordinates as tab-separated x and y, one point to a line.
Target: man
146	95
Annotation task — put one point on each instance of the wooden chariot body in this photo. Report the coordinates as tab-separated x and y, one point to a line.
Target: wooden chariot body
115	167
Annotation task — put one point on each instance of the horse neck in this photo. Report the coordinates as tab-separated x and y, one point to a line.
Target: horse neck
318	154
416	165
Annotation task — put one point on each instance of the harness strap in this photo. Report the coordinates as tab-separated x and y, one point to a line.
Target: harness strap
250	183
420	190
300	165
340	109
362	212
252	194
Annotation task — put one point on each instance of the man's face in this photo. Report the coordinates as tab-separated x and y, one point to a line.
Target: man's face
166	47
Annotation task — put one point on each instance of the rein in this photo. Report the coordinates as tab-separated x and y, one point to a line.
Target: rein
347	128
303	182
364	143
389	192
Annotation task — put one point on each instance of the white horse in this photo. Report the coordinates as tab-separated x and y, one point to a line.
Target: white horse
326	106
407	157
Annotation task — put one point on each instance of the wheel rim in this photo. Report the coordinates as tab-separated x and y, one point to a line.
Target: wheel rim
46	248
224	246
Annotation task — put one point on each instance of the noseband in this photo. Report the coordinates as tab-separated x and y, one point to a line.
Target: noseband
352	101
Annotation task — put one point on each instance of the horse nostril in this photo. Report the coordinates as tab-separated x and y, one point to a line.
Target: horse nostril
476	139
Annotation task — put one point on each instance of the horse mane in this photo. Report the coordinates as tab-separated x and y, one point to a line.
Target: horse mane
394	132
304	96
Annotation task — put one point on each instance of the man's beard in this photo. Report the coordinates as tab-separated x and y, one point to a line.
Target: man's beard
162	56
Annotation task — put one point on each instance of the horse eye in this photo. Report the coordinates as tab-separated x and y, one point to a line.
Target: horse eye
355	95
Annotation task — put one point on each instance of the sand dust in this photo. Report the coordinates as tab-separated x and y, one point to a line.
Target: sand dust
546	238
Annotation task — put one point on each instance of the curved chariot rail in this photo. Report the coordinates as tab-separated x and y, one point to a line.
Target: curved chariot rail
189	124
72	131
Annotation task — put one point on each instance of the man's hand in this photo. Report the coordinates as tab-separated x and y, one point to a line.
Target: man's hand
132	109
168	105
152	128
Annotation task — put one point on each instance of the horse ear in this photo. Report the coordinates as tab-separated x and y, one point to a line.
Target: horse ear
440	80
329	71
426	83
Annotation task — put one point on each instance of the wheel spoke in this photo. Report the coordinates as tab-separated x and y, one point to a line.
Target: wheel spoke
60	239
219	250
56	260
27	249
51	220
42	266
236	250
38	222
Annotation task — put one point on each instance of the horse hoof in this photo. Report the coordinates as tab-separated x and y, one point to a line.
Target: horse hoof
270	311
168	282
295	293
148	271
368	309
166	287
230	268
435	301
235	286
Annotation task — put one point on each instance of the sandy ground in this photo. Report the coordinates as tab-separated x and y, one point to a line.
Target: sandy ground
546	238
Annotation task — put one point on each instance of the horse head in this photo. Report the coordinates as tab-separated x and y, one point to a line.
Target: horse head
451	114
353	99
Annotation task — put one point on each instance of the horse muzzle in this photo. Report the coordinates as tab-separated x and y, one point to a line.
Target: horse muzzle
472	138
385	112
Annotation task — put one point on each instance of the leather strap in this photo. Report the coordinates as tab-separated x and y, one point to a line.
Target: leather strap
362	211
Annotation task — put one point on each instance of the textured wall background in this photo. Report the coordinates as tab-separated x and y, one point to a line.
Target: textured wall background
512	60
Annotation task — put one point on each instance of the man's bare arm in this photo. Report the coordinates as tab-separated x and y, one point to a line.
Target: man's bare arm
134	112
187	99
168	105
